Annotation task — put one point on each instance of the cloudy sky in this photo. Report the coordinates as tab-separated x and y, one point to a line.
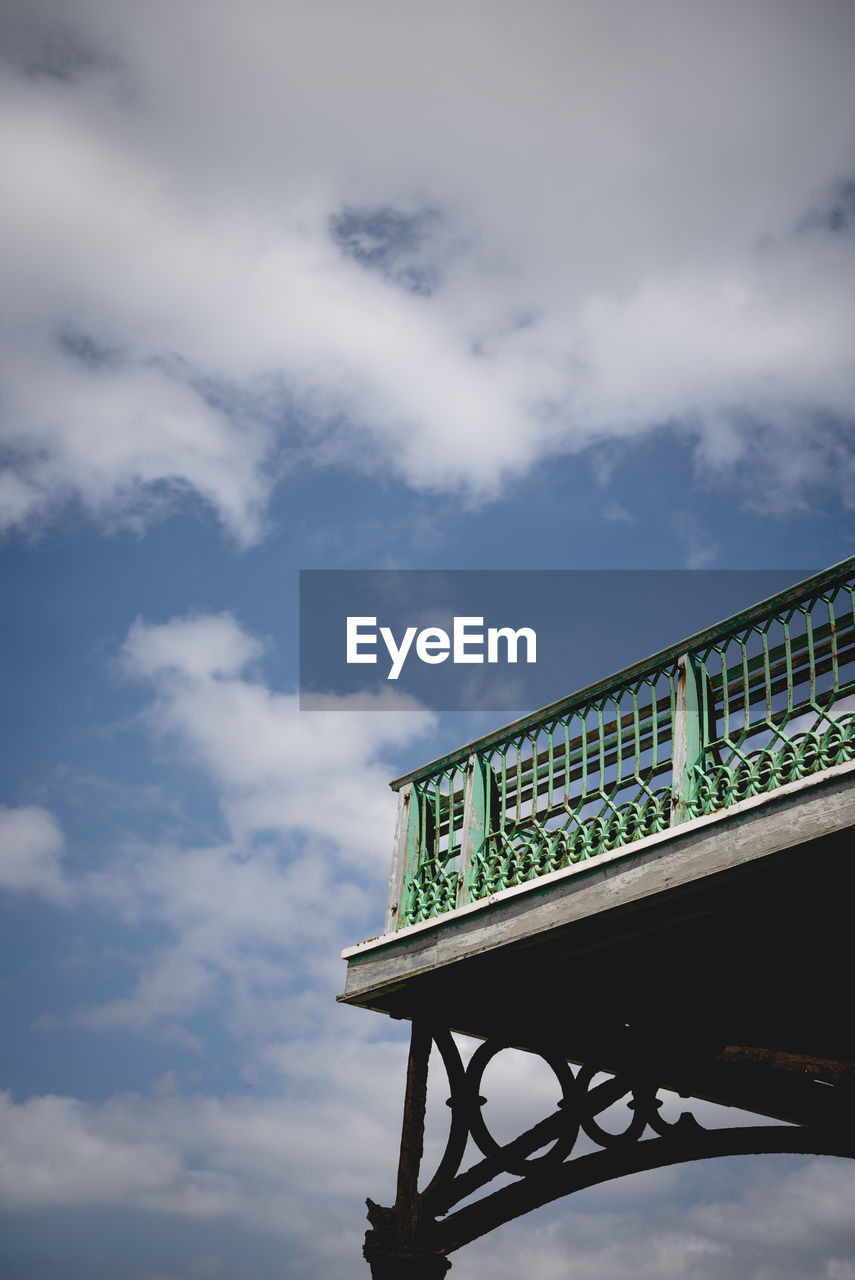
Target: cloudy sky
359	284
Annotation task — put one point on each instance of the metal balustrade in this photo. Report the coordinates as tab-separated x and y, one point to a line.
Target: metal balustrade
762	699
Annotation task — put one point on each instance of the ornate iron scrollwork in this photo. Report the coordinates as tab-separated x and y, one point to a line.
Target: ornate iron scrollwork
550	1159
582	1101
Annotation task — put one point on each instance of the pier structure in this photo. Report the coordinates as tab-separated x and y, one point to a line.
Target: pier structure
648	884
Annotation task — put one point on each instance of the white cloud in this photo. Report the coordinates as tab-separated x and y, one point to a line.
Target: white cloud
31	846
255	922
300	1165
250	929
319	774
634	224
258	918
798	1212
55	1155
197	647
732	1228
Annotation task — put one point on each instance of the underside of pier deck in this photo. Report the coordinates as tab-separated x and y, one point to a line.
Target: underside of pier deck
718	958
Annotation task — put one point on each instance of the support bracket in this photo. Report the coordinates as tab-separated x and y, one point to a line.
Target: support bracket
569	1150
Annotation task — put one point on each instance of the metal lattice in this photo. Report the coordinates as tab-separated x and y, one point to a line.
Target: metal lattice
777	701
764	699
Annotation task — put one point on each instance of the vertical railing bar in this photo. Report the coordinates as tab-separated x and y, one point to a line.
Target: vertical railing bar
811	655
423	815
583	719
504	790
519	783
618	749
476	822
455	827
567	760
452	810
707	734
835	665
767	674
686	743
678	740
746	691
399	859
535	774
550	764
725	689
788	655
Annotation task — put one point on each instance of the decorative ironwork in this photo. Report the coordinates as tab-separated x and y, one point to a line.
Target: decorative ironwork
437	809
764	699
771	700
567	1151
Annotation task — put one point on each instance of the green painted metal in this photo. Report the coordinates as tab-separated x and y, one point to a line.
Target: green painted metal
764	698
414	847
481	797
432	883
687	739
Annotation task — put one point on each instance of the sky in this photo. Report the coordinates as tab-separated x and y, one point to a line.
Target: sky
360	285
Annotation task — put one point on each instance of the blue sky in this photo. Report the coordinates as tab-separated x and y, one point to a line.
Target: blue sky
482	285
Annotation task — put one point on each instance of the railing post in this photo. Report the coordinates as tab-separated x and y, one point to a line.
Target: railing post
405	855
400	1244
686	743
476	823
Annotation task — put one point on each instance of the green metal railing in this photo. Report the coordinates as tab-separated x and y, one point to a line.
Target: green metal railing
762	699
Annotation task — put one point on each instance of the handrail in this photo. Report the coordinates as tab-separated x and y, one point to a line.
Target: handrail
766	696
754	612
